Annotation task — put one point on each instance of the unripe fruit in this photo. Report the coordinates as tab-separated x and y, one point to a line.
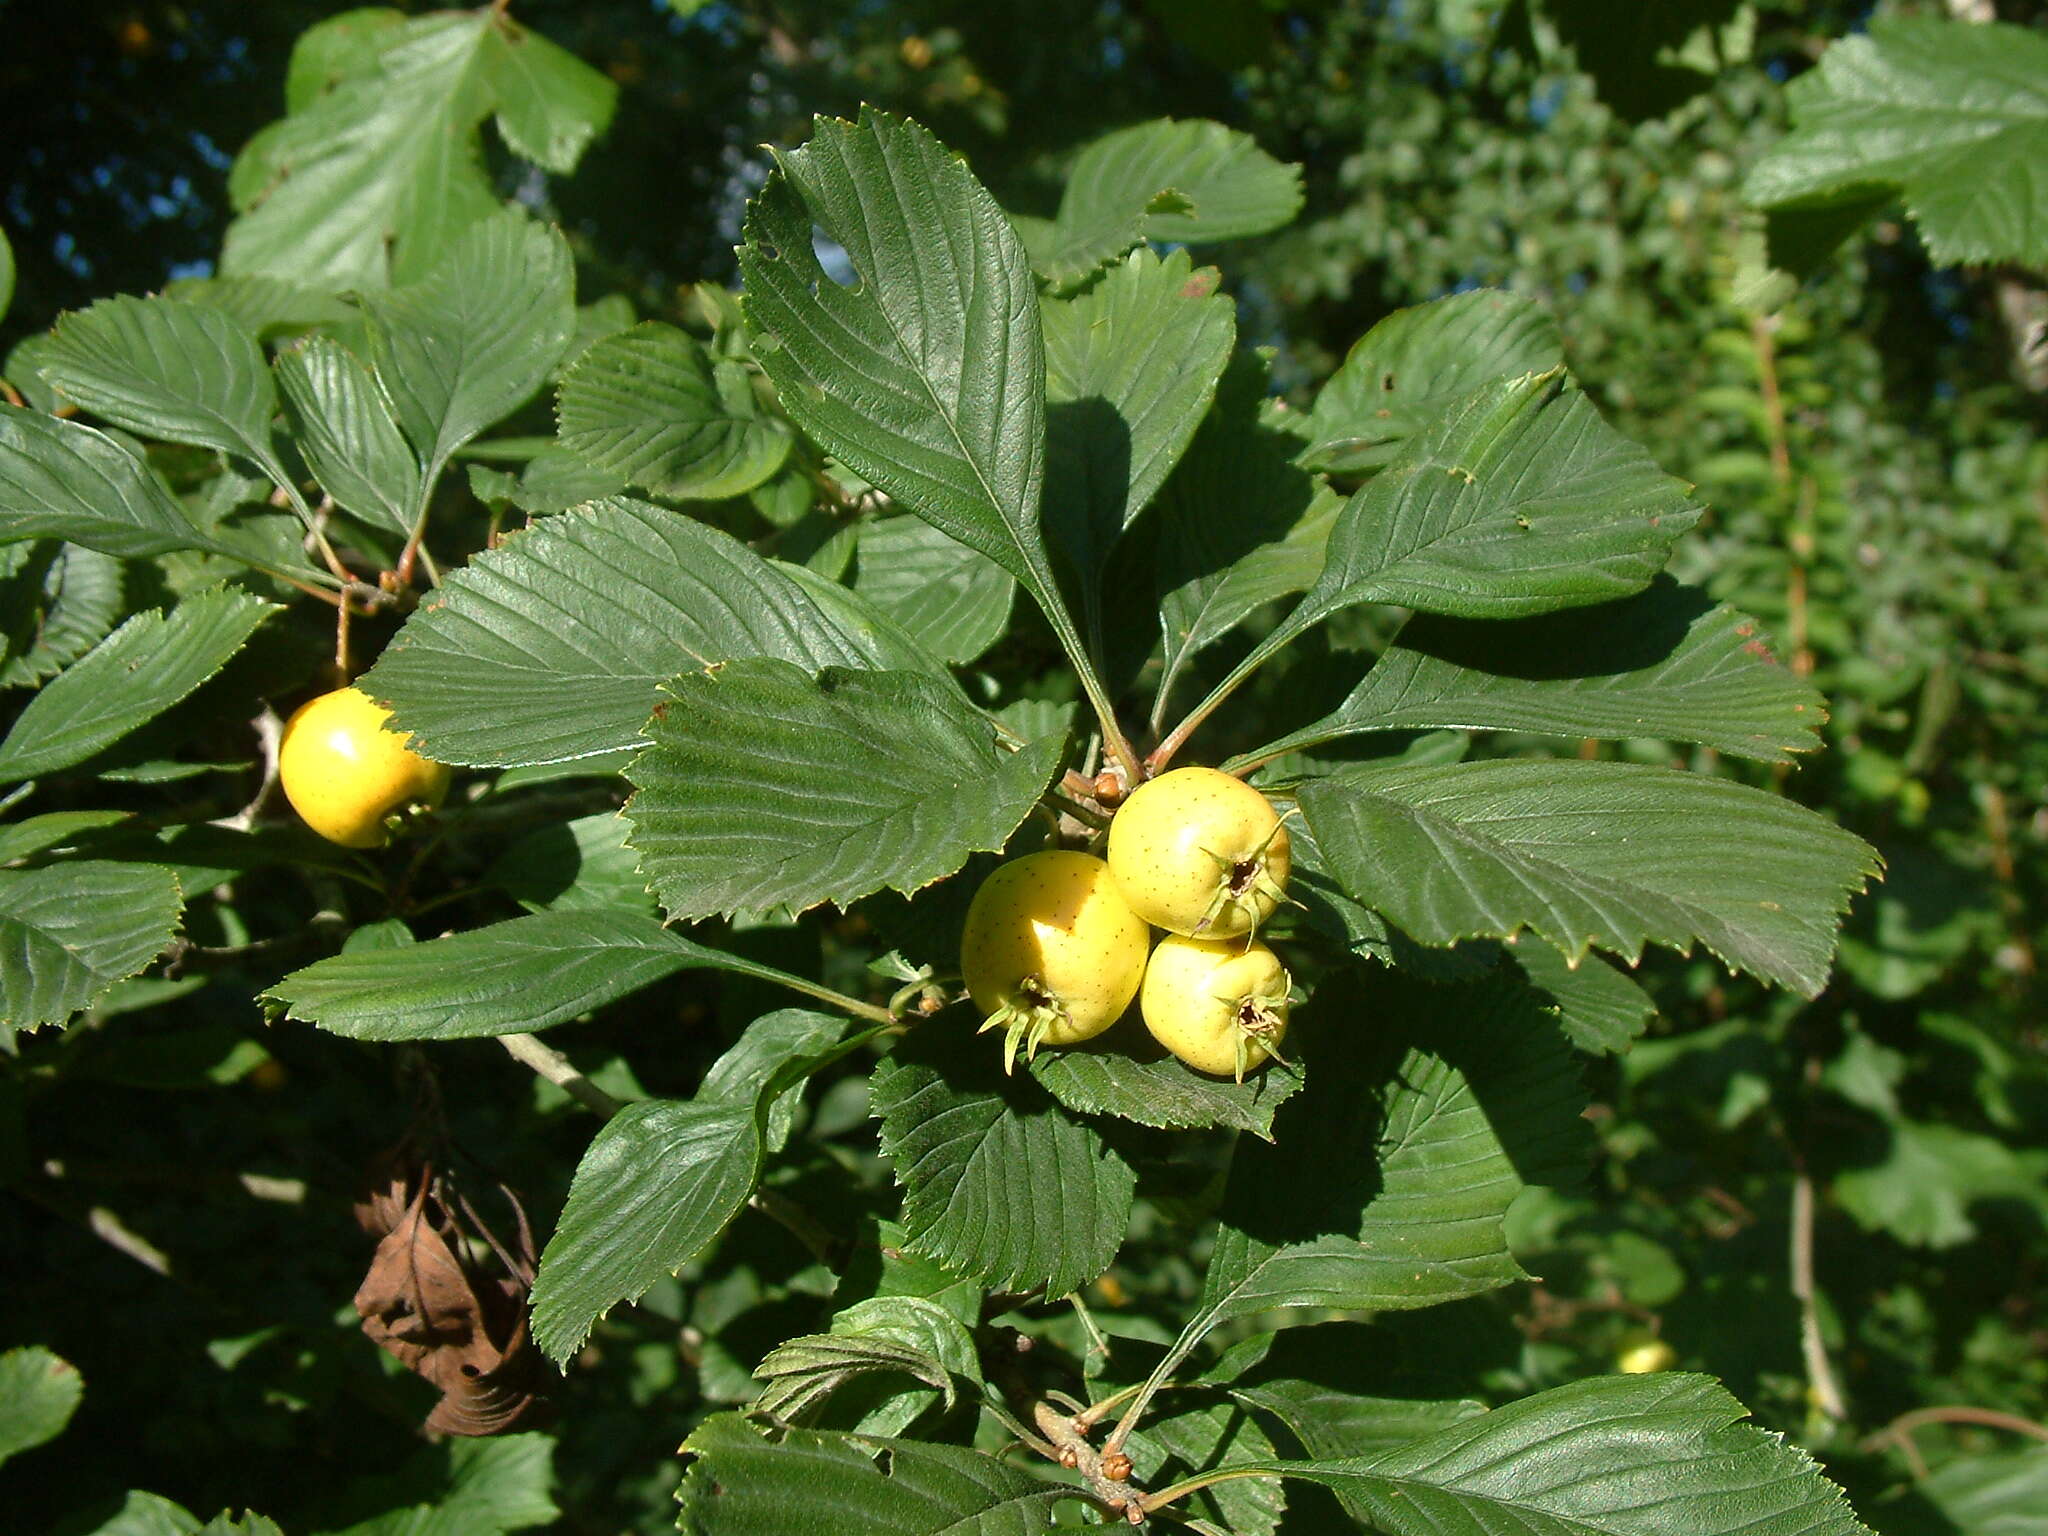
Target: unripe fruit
1051	953
1644	1355
1220	1005
345	772
1200	853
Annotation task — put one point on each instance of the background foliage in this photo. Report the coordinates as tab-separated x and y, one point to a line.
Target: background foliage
1836	1206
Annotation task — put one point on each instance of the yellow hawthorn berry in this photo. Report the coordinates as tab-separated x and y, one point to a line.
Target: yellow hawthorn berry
1199	853
347	773
1052	954
1220	1005
1644	1354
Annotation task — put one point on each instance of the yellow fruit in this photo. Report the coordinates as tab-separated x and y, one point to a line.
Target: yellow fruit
345	771
1220	1005
1644	1356
1200	853
1051	953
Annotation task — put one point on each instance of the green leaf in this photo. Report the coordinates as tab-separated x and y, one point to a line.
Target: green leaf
1411	367
659	1182
1593	855
1130	370
1921	1193
2001	1493
1239	523
248	1523
19	840
134	675
554	480
378	169
651	406
555	645
163	368
57	601
149	1514
883	1335
741	1484
1128	1073
1951	116
577	865
1517	501
1667	663
495	1485
62	480
1476	1099
767	787
1599	1009
1328	1385
953	599
1000	1183
1183	1440
1183	183
1607	1456
508	978
38	1394
763	1049
477	336
70	931
343	426
6	274
927	377
269	306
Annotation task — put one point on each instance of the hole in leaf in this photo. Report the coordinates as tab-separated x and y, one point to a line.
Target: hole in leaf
833	260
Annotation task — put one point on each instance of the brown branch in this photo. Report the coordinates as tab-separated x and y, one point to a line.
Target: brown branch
1108	1476
1820	1375
551	1064
1899	1433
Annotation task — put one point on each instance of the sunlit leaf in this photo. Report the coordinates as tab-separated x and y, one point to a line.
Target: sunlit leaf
38	1393
764	787
1000	1183
378	168
952	598
1668	664
741	1484
1184	183
69	931
555	645
135	674
1407	370
1593	855
651	406
1607	1456
1131	367
508	978
1951	116
343	426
